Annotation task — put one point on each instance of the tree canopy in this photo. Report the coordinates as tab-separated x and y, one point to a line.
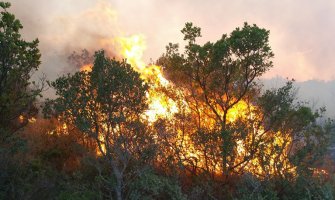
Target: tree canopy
107	104
18	60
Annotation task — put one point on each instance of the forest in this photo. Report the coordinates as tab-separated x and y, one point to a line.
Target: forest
195	124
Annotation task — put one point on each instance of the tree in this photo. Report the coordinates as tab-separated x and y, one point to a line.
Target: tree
226	124
303	146
107	104
18	59
215	77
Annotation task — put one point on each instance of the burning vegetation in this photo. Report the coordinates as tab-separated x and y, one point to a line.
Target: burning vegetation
193	125
202	111
165	99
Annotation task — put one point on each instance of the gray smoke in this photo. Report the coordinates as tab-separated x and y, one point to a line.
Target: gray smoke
302	31
315	93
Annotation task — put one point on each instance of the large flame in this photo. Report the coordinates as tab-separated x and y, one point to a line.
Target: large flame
87	67
131	48
246	158
160	105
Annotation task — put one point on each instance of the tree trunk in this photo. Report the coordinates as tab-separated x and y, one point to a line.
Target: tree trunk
118	192
118	189
118	176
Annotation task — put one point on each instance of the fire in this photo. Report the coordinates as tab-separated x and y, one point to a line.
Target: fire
21	118
30	120
87	68
271	142
239	110
245	158
160	105
131	48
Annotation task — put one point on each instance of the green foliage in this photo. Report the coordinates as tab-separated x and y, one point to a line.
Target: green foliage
77	188
107	104
86	195
252	188
152	186
18	59
226	67
305	187
213	78
112	89
216	76
191	32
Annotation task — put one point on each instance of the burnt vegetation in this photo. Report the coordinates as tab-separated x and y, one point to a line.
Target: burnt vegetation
221	137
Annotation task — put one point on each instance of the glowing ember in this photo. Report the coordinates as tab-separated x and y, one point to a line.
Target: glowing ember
21	118
87	68
32	120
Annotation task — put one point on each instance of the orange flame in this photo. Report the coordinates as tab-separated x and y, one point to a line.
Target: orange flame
87	68
160	105
132	49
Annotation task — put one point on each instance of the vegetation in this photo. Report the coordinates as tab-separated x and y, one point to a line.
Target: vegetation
226	138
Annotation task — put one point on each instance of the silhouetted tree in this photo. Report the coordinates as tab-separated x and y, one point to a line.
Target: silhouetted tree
217	76
226	124
107	104
18	60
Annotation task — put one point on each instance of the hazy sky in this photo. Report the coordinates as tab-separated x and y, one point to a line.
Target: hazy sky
301	31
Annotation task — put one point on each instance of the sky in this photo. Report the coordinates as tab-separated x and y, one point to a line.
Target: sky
301	31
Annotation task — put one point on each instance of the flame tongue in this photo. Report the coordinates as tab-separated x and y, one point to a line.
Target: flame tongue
87	67
132	49
160	105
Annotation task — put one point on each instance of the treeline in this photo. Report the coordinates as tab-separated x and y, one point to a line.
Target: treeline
225	138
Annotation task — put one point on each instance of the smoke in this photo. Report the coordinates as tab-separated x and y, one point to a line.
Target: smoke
316	94
301	31
301	34
64	30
